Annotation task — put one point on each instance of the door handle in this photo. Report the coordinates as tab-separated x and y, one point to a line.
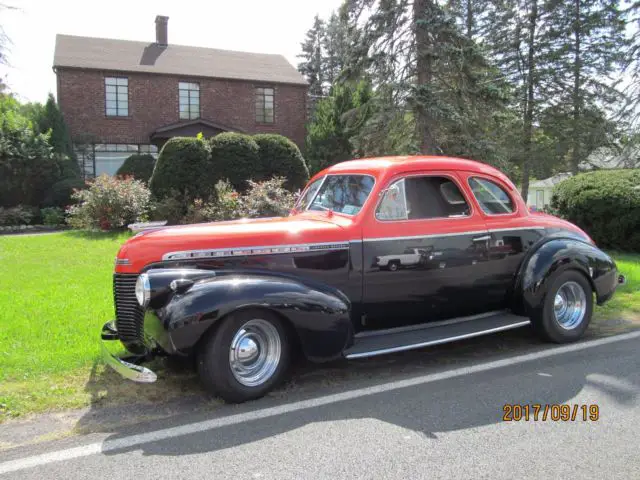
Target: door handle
483	238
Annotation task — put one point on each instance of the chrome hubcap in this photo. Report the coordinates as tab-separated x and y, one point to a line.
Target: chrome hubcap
255	352
570	305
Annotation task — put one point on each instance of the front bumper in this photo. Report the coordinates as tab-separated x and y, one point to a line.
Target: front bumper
137	373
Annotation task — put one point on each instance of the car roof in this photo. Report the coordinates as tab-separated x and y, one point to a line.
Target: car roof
392	165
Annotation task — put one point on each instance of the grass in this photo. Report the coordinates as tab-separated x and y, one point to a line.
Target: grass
56	293
626	301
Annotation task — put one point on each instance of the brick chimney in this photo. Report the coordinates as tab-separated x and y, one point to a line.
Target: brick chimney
161	30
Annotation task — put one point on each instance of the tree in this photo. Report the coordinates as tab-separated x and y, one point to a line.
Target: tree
589	40
337	120
336	46
312	65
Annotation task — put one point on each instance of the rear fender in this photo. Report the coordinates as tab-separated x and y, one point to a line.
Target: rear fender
556	255
318	314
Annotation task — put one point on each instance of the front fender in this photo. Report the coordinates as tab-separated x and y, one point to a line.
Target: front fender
318	314
557	255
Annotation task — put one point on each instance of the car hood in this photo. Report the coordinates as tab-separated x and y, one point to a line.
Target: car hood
228	238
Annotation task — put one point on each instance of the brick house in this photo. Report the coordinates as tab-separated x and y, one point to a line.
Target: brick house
119	97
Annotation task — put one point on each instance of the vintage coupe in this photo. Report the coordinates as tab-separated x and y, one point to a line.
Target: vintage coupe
242	296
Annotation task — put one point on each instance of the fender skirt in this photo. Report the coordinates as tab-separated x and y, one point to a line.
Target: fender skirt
557	255
318	314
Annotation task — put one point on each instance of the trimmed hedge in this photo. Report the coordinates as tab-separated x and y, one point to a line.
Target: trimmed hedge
606	204
139	166
183	167
60	193
235	157
280	157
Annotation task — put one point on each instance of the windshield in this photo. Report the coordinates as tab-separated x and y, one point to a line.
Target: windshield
339	193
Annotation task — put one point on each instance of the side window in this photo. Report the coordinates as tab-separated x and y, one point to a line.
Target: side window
422	197
492	198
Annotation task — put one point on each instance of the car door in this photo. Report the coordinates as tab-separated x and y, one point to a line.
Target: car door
424	249
513	232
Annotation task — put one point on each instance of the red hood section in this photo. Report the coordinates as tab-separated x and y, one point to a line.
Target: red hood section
150	246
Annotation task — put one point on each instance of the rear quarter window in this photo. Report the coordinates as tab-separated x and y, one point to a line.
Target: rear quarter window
491	197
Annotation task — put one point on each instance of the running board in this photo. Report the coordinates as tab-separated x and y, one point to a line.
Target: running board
375	343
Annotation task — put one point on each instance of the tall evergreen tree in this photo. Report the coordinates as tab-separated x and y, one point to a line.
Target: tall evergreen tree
311	65
589	42
336	45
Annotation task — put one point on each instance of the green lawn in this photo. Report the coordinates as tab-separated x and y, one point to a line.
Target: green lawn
626	301
56	293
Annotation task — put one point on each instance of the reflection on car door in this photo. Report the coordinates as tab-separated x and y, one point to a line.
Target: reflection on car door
424	253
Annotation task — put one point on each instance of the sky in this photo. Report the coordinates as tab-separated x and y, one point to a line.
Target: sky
263	26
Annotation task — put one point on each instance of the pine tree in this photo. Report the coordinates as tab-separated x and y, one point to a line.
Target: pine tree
336	44
519	39
312	65
589	41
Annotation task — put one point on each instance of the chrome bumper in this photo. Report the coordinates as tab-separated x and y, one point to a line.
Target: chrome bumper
134	372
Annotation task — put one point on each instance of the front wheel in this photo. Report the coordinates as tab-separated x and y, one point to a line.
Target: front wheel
245	357
566	309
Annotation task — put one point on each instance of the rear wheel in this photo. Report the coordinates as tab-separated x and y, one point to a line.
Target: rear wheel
245	357
566	309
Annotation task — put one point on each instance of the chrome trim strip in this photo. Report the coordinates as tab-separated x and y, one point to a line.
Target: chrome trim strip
122	261
248	251
309	247
425	326
436	342
384	239
516	228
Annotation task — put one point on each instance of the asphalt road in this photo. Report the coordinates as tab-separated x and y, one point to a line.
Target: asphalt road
441	423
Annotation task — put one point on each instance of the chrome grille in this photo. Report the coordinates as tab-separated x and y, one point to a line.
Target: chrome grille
129	315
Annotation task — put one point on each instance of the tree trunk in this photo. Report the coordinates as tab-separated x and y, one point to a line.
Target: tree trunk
424	77
469	19
530	103
577	99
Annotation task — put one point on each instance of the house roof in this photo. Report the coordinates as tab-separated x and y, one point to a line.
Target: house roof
130	56
551	181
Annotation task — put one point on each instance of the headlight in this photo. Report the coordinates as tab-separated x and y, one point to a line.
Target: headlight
143	290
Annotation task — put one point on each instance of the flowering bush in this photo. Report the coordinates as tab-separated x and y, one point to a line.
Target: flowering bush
109	203
18	215
268	199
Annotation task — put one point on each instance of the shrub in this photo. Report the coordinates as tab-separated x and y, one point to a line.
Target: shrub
59	195
235	157
18	215
268	199
183	168
110	203
52	216
172	208
606	204
139	166
280	157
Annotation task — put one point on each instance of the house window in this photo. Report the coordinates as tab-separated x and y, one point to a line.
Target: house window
189	100
117	96
98	158
540	199
264	105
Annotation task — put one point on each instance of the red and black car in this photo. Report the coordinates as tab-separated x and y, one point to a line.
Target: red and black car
379	255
